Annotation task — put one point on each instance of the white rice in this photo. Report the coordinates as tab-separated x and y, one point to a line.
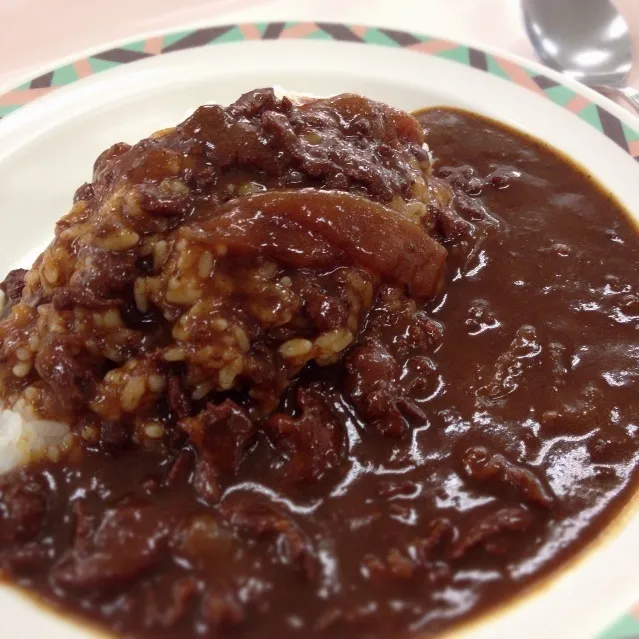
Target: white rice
24	440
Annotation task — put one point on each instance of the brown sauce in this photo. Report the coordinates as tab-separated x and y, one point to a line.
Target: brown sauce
515	445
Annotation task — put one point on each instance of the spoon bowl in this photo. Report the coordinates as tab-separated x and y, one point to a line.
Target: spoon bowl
588	40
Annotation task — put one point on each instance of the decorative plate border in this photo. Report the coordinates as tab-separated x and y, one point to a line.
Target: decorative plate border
604	121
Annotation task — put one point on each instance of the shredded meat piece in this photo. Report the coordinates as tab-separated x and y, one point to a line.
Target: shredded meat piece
438	531
396	321
261	519
105	274
127	543
504	520
63	363
67	297
221	434
481	464
13	285
23	508
373	385
313	443
315	138
326	312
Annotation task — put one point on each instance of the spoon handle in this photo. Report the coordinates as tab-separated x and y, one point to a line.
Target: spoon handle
629	95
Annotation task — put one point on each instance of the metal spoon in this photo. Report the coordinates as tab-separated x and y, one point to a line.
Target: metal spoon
587	40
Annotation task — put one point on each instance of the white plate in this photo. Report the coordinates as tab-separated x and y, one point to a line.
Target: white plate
47	148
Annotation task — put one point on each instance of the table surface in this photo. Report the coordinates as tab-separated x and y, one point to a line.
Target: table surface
36	34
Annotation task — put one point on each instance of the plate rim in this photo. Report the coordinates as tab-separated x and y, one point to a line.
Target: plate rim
589	99
610	119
